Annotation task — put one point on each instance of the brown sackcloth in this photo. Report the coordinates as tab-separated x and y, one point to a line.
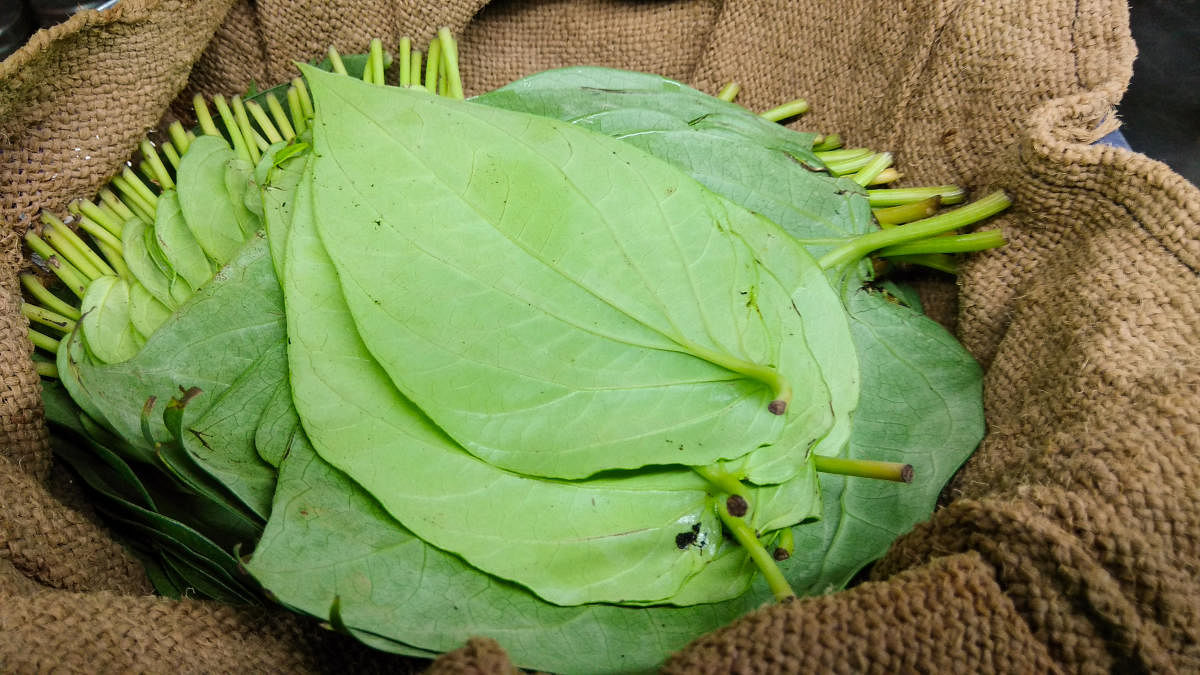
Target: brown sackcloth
1070	541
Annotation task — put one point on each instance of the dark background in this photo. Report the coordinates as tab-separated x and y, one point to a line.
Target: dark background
1161	110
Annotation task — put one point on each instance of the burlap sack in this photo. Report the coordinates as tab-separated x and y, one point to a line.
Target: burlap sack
1071	541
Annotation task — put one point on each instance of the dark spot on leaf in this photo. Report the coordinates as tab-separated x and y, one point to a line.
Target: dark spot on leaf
684	540
693	122
777	407
696	528
737	505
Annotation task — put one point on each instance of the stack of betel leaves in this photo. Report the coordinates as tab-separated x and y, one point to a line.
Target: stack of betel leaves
591	364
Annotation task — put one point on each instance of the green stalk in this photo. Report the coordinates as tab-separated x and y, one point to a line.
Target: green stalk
861	246
118	207
963	243
888	175
892	216
454	85
115	257
404	53
335	61
203	118
842	154
841	168
376	61
873	168
43	341
253	144
141	189
827	143
157	168
937	261
93	259
264	123
46	369
179	137
789	109
296	110
306	103
91	211
281	119
950	194
47	318
168	149
133	201
432	61
415	76
729	92
781	388
786	543
723	480
231	126
62	269
50	300
864	468
745	535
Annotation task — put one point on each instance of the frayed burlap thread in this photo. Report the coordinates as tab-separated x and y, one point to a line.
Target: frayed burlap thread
1070	541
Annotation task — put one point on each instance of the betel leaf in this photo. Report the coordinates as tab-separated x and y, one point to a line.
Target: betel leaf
178	244
731	151
604	540
105	325
916	378
558	302
921	404
209	209
328	538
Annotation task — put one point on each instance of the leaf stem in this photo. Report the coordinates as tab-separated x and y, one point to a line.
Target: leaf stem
864	468
404	54
264	122
937	261
281	119
729	92
43	295
890	216
888	175
296	110
255	144
723	480
432	61
46	369
963	243
86	209
415	76
43	341
841	154
335	61
828	142
454	86
745	535
231	126
47	318
950	194
157	168
781	388
203	118
861	246
872	169
783	112
179	137
73	249
118	208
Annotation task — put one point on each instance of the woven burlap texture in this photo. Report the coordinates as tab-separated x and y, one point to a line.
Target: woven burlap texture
1070	541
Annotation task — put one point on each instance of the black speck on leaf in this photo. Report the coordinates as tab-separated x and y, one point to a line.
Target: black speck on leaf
684	539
